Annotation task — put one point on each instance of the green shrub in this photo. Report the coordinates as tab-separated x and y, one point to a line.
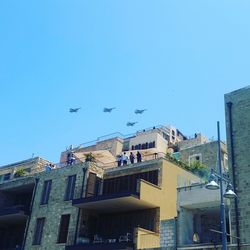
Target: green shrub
196	167
89	157
20	172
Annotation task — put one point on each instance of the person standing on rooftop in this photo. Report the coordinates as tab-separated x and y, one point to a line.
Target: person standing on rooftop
124	159
132	158
138	156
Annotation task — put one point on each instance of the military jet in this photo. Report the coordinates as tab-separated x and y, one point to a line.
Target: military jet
73	110
139	111
108	110
130	124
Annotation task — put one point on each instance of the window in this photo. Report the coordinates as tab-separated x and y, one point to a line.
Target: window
196	158
63	228
128	183
93	185
38	231
46	192
125	146
145	145
6	176
69	193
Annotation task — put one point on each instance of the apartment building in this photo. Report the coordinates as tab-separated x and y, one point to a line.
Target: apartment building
96	204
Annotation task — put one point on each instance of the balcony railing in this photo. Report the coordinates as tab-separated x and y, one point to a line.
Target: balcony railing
17	209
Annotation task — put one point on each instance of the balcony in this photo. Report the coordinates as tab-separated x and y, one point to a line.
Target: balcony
102	246
197	196
199	212
14	214
146	196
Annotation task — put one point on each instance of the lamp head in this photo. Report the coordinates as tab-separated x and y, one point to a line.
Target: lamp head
212	184
230	194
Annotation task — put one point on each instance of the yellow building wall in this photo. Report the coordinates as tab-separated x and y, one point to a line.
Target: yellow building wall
172	177
149	192
146	239
165	196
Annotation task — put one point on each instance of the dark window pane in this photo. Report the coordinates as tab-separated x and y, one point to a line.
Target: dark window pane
128	182
46	192
38	231
64	228
70	189
91	185
6	176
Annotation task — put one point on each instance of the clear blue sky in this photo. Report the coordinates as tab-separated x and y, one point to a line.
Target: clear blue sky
175	58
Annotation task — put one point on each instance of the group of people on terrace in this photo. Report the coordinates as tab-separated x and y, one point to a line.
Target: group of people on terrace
48	167
123	159
70	158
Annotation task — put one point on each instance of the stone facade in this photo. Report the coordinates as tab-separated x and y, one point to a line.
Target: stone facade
207	153
168	234
30	166
197	140
237	107
55	208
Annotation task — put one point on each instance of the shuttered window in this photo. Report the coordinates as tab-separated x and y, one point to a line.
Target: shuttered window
70	189
38	231
46	192
92	185
63	228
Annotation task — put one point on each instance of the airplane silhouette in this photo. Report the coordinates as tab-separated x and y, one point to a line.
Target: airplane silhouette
131	123
73	110
139	111
108	109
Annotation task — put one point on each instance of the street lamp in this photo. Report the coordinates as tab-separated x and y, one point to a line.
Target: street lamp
213	185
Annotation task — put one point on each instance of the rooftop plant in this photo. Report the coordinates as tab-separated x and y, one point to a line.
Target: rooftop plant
195	167
20	172
89	157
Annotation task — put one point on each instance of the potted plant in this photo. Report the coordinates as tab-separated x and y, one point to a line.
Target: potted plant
20	172
89	157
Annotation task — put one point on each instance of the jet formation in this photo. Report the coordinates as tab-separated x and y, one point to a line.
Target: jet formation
109	110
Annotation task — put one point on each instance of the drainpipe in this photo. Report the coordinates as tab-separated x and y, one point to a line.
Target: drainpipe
229	105
79	210
31	208
176	232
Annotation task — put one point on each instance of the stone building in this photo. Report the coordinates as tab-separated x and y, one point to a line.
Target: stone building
129	206
237	108
85	206
94	204
201	150
152	142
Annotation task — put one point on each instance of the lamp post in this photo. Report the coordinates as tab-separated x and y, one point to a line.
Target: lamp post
212	185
